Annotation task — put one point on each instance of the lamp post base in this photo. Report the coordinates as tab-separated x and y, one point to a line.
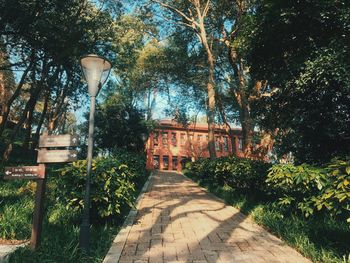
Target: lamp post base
84	238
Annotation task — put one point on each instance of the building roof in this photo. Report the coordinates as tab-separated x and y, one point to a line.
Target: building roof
200	127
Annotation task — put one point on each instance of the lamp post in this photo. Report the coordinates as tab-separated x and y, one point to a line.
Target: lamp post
96	70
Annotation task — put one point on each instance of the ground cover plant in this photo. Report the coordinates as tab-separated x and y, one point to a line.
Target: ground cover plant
306	206
116	183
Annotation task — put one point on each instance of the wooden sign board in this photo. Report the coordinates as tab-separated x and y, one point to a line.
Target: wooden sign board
57	156
63	140
25	172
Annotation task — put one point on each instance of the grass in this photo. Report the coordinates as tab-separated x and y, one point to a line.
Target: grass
322	239
60	244
60	233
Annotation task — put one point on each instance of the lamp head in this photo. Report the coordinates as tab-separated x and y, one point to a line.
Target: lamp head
96	70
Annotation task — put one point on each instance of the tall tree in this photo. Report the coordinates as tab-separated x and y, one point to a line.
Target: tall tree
45	40
193	14
119	125
308	64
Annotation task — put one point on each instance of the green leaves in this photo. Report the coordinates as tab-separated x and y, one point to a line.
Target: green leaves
119	124
347	169
304	188
113	187
241	174
308	62
311	189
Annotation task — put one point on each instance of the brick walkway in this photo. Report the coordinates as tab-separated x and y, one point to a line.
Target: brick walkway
177	221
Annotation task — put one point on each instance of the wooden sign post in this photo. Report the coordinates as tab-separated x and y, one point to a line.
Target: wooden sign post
38	173
57	156
63	140
38	211
25	172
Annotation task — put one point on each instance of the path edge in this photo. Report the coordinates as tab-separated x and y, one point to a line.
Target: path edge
119	241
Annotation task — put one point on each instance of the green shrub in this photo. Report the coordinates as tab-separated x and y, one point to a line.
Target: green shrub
296	186
312	189
241	174
245	174
112	186
335	197
136	163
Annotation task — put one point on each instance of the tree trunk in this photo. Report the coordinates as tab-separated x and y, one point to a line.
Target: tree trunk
247	126
242	100
41	121
210	91
7	107
228	128
233	143
59	103
29	106
28	127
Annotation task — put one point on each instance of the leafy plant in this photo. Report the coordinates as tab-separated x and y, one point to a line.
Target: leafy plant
113	185
336	196
242	174
296	185
312	189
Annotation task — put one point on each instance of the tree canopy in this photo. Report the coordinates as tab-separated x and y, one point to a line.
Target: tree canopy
309	64
277	67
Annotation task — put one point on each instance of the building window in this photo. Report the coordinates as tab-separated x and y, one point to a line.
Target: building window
217	143
173	139
240	144
191	138
156	161
174	162
165	138
182	138
225	144
199	138
183	161
165	162
155	138
207	138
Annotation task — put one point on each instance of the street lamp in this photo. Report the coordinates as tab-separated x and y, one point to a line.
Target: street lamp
96	70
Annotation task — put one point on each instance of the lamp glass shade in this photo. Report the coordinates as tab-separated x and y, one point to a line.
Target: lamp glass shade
96	71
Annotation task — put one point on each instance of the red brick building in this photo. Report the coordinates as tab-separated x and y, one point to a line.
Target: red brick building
170	145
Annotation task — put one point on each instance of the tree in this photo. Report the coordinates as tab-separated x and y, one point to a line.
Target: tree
223	24
119	125
308	66
44	41
193	14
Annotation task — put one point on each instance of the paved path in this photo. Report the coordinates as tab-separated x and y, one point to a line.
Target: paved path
177	221
6	250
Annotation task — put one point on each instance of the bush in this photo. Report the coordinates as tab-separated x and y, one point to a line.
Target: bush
335	197
126	174
295	186
312	189
241	174
114	182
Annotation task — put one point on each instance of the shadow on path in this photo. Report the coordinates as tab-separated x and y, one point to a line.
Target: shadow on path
178	221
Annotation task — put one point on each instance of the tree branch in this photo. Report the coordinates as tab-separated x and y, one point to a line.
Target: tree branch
177	11
206	8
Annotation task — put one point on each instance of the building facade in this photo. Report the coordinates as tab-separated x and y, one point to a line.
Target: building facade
171	145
